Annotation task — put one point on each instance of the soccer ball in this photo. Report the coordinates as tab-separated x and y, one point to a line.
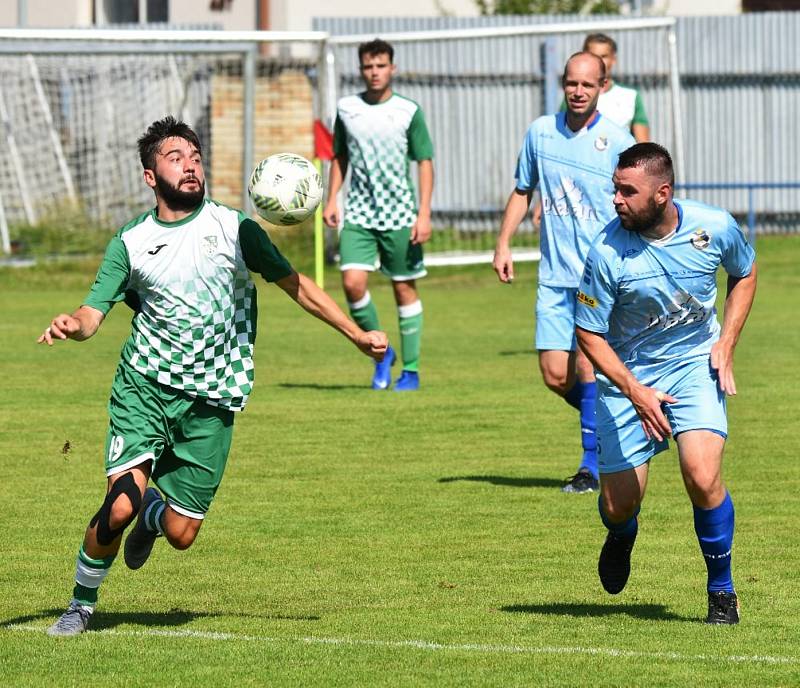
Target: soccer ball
285	188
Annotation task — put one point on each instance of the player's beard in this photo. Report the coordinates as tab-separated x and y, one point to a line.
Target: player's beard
177	199
645	220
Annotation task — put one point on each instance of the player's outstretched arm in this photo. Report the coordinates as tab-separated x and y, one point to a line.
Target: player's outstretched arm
646	400
308	295
421	231
81	325
739	299
330	214
515	211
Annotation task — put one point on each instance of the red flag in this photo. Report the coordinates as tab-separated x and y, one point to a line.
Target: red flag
323	141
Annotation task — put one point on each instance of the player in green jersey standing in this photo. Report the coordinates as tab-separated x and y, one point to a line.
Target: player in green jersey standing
377	133
184	268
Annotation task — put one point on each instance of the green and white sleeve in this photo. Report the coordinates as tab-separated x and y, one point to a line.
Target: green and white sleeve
260	254
112	278
420	146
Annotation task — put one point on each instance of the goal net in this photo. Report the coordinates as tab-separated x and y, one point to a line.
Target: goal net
74	103
481	87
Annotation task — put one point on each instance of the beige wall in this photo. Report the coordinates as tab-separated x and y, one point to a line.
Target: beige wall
47	14
296	15
240	15
685	8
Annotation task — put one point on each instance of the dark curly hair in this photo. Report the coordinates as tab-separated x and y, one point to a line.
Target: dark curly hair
376	47
161	129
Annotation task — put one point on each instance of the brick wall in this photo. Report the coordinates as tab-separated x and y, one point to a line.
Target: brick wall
283	124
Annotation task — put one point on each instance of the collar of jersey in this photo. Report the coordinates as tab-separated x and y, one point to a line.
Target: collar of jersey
366	102
663	241
178	223
583	130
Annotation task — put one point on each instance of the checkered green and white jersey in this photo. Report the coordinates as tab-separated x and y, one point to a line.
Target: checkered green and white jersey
380	139
195	307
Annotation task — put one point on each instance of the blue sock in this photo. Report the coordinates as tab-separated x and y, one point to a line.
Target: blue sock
573	397
589	428
714	528
583	397
627	529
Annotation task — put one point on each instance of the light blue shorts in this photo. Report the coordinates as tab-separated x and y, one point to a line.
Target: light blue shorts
555	318
621	442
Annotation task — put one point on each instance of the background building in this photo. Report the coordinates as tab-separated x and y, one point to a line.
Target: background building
297	15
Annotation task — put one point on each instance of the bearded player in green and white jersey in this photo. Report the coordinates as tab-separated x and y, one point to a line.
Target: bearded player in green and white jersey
376	134
187	366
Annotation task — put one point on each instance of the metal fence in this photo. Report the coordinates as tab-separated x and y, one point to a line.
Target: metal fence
740	99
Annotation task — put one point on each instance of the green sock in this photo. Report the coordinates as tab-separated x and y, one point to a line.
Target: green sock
89	574
154	516
364	313
410	334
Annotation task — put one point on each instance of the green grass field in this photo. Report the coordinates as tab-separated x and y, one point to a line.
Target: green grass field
366	538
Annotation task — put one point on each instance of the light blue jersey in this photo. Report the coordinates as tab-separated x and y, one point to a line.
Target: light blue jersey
573	170
654	300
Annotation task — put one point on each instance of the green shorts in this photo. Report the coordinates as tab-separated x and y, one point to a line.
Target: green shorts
365	249
186	439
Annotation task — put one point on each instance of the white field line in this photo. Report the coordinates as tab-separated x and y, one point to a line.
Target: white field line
436	647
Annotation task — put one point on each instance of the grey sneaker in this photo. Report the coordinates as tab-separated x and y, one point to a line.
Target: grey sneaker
581	483
73	621
140	540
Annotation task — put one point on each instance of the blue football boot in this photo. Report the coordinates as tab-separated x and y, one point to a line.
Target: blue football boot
383	370
407	382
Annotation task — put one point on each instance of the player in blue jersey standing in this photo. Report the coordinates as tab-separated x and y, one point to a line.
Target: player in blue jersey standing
570	156
646	319
187	367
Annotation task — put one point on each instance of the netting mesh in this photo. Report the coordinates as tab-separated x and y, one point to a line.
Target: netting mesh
71	124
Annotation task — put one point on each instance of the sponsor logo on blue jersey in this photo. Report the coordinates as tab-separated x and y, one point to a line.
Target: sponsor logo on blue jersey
590	301
568	201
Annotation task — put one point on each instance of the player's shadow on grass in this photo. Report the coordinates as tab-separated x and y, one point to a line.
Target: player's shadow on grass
518	352
103	620
505	481
316	385
650	612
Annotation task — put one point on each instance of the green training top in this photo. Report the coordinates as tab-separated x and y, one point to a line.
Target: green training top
379	140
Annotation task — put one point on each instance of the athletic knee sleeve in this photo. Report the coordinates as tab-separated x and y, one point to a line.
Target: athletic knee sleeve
127	486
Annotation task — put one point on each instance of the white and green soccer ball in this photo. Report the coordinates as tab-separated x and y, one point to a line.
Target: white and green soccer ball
285	188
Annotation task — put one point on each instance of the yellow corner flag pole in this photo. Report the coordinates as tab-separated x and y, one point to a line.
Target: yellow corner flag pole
319	239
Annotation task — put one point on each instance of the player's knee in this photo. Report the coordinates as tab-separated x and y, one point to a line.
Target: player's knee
354	287
705	492
118	510
183	541
619	510
555	381
182	532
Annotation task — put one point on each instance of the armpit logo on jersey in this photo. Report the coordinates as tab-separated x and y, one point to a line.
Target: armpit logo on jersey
590	301
601	143
568	201
700	239
210	245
